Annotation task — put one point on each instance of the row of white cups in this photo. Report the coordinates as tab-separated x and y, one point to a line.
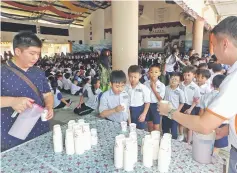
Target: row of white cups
78	139
153	149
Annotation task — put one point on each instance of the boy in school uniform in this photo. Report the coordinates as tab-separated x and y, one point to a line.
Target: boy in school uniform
175	96
202	77
115	103
207	99
157	89
192	96
139	97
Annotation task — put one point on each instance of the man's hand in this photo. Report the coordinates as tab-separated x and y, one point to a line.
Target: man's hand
50	114
142	117
119	108
20	104
164	108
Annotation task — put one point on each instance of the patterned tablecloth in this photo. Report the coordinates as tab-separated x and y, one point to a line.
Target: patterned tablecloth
37	156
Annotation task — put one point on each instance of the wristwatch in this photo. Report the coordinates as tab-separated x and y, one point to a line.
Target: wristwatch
170	113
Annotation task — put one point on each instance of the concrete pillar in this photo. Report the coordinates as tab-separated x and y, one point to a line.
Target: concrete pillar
124	34
70	47
198	36
210	44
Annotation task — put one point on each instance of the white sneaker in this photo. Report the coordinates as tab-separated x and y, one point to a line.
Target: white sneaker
180	138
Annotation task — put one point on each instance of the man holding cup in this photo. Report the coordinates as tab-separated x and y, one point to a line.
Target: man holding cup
224	106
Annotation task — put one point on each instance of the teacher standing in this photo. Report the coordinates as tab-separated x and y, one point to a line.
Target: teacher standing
224	106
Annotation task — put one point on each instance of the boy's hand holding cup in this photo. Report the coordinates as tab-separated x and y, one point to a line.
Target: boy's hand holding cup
119	108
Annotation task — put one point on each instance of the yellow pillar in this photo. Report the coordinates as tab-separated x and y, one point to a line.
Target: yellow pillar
198	36
124	34
70	47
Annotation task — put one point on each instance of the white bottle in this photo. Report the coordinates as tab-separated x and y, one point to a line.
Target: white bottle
94	137
69	142
133	136
57	139
78	142
87	136
155	135
164	157
147	136
148	152
118	151
128	159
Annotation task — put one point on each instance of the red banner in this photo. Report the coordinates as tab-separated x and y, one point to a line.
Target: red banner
49	7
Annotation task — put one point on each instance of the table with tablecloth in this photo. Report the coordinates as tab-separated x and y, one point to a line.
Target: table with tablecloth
37	155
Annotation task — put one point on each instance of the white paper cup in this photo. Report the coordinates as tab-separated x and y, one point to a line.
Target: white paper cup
124	126
44	115
132	127
164	101
81	121
125	107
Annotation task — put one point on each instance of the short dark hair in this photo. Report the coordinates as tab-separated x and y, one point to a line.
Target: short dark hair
118	76
175	74
203	65
217	80
67	75
188	69
228	26
134	69
205	73
214	58
156	65
26	39
217	67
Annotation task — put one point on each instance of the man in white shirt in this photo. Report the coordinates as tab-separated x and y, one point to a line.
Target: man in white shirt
224	106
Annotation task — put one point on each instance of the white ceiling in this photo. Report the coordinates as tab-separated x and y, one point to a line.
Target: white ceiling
224	8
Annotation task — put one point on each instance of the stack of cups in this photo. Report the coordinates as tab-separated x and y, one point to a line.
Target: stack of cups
124	126
78	141
81	121
132	127
70	124
148	152
69	142
118	151
155	135
87	136
57	139
44	115
94	137
128	159
133	136
147	136
164	157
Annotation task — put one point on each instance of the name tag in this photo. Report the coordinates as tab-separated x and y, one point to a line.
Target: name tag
138	90
192	88
176	92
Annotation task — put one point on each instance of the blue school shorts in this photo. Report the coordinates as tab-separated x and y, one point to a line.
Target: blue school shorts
153	115
186	107
135	113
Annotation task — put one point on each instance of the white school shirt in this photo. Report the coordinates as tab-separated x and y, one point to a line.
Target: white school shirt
138	95
191	92
175	97
93	100
56	100
67	84
224	105
204	89
60	84
160	88
74	88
